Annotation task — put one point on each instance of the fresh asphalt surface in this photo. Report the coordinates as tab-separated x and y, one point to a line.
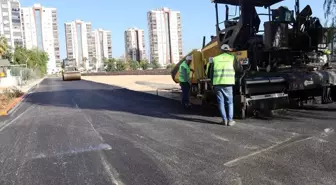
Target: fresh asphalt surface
82	132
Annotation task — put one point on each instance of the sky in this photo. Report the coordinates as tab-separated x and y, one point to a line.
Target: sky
197	16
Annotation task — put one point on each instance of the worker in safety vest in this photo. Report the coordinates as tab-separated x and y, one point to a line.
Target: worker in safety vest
223	68
207	67
185	81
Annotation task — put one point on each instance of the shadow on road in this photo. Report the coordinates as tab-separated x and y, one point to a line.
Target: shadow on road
97	96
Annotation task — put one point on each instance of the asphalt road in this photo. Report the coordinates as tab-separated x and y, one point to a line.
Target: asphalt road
88	133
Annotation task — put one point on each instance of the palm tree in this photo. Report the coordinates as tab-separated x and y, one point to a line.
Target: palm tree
3	45
330	15
329	11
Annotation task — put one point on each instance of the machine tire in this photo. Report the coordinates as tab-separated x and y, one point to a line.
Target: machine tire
241	113
333	93
327	95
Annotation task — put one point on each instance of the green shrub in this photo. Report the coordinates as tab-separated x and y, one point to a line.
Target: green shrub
156	64
170	66
133	65
144	65
121	66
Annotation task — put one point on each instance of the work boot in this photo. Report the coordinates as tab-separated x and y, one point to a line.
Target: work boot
224	122
231	123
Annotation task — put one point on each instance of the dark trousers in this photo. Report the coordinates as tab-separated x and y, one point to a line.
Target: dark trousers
185	86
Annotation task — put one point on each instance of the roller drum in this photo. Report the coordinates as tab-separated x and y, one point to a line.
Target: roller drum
69	76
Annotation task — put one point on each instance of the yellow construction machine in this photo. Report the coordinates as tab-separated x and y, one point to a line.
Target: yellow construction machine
281	63
70	70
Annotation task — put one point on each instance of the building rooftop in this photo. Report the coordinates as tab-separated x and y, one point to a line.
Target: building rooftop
164	9
134	28
78	21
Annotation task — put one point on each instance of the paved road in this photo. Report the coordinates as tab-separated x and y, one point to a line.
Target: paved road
89	133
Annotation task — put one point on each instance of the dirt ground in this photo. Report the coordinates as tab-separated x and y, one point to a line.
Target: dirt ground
7	99
137	82
160	85
3	102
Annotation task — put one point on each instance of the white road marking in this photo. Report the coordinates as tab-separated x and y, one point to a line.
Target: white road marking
100	147
109	169
232	162
107	166
220	137
19	116
88	120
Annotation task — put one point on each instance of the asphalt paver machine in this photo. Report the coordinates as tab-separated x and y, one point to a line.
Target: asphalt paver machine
282	63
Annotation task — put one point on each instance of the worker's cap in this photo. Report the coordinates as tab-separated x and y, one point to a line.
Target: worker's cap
225	47
189	58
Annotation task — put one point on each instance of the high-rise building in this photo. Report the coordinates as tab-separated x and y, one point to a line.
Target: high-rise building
165	36
79	42
135	44
10	22
40	29
102	40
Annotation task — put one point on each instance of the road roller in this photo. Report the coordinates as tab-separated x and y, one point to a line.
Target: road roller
70	70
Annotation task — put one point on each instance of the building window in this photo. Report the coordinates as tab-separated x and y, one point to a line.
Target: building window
39	29
79	39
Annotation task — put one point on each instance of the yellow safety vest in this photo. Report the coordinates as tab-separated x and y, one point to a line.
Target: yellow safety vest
224	73
184	72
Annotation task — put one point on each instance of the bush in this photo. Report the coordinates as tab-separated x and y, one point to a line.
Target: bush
111	67
12	93
144	65
133	65
121	66
170	66
156	64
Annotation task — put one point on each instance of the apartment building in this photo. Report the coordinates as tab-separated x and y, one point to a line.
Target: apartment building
165	35
102	40
135	44
10	22
79	42
40	29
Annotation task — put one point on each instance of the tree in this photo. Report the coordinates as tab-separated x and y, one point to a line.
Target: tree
8	55
106	60
110	64
329	11
3	45
133	65
33	58
144	64
170	66
121	65
156	64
